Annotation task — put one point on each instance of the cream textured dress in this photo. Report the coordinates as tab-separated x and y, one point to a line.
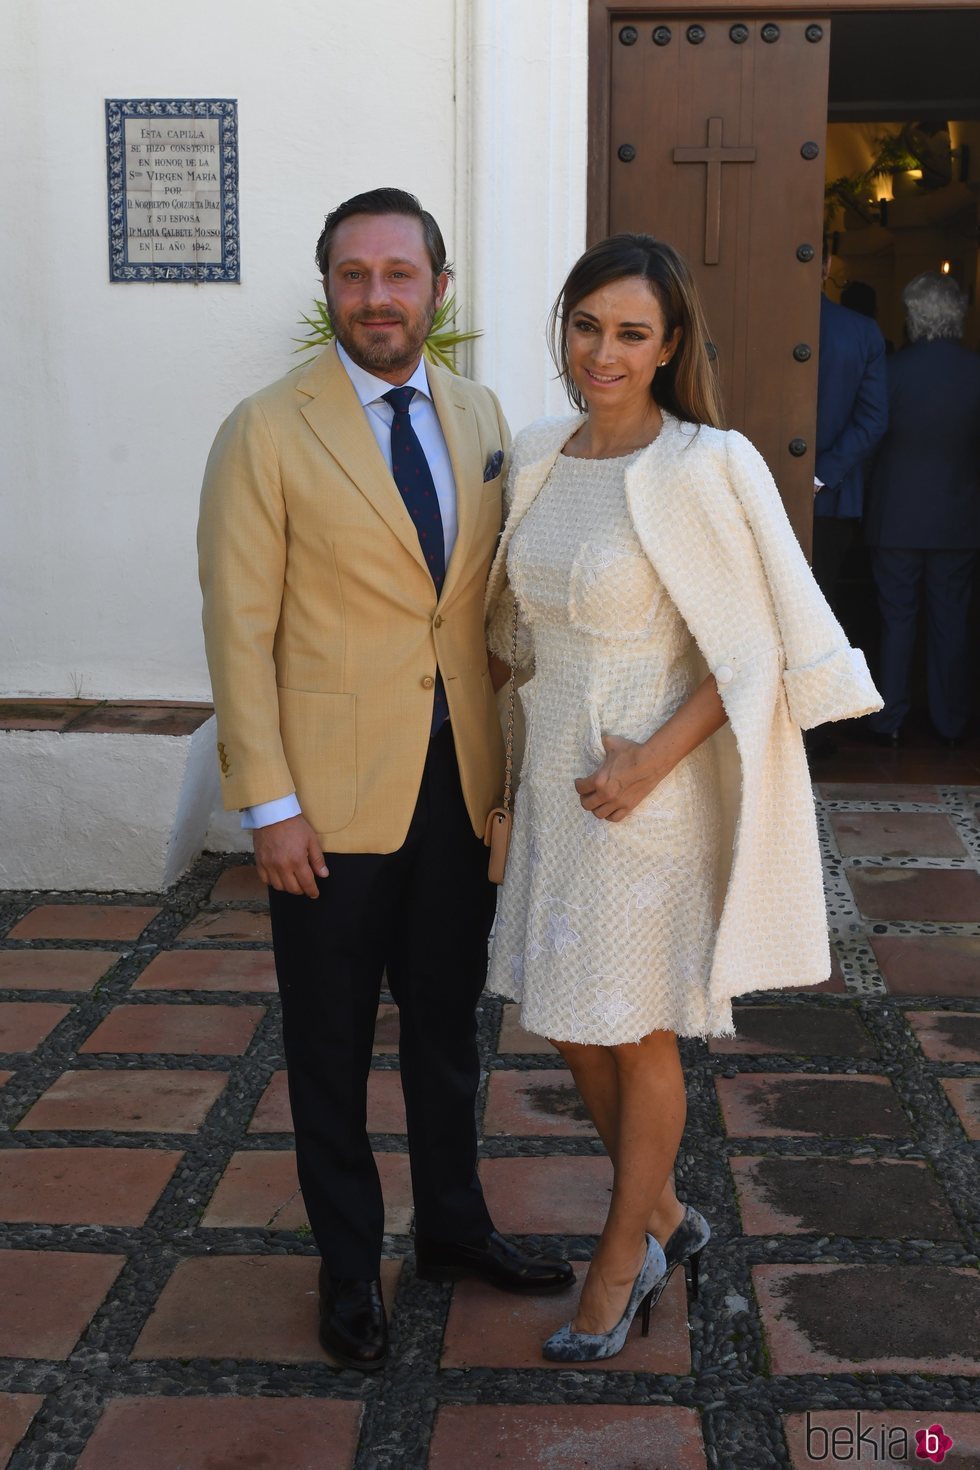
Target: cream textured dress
605	930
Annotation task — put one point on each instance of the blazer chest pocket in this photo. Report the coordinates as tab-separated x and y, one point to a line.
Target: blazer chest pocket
319	741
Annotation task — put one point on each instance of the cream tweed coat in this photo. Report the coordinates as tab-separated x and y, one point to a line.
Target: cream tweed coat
708	515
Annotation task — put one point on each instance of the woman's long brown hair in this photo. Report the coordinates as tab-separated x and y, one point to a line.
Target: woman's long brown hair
688	386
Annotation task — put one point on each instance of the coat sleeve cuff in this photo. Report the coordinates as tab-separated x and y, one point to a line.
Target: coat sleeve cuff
838	687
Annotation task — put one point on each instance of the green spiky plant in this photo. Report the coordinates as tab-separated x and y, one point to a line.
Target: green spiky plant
440	345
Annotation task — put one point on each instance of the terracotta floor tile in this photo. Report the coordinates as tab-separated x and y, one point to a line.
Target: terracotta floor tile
896	834
240	884
890	1438
16	1412
917	894
49	1297
796	1030
210	969
868	1198
878	791
224	1434
260	1188
25	1023
536	1104
127	1101
385	1105
386	1030
495	1329
515	1041
53	969
83	1186
947	1036
566	1437
964	1096
228	925
900	1319
258	1308
561	1195
176	1030
84	921
5	1077
780	1104
929	964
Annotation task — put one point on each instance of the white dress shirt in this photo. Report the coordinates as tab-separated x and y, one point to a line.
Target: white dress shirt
380	415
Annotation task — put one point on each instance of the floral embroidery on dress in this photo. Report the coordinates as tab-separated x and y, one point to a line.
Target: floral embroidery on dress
560	932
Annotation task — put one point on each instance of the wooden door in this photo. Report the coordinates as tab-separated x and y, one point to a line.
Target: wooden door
715	142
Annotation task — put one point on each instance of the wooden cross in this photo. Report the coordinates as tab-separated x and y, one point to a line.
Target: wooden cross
714	156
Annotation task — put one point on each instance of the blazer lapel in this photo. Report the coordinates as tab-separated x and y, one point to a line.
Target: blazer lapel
462	437
335	415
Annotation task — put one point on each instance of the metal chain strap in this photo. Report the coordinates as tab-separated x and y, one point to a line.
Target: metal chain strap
511	695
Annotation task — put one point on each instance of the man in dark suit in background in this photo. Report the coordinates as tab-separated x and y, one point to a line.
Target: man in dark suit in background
924	510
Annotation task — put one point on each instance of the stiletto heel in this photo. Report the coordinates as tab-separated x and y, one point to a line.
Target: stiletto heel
694	1258
568	1346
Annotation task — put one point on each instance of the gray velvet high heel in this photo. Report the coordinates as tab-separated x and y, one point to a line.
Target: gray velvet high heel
568	1346
686	1244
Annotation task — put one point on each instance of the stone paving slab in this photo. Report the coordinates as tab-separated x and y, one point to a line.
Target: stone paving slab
920	894
536	1104
897	1319
257	1308
964	1097
791	1030
865	1198
798	1103
495	1329
947	1036
224	1434
515	1041
385	1105
49	1297
260	1188
562	1195
131	1101
895	834
929	964
211	969
16	1412
176	1030
227	926
24	1024
82	1186
54	969
240	884
84	921
867	1437
898	791
566	1437
5	1077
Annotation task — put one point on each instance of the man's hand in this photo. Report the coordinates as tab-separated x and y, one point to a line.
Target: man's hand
625	778
288	856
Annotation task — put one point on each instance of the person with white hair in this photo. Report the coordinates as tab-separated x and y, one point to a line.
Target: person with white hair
923	523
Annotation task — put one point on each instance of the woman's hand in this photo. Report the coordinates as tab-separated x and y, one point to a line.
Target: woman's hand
626	777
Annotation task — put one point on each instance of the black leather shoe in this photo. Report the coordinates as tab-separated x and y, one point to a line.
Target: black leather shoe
494	1260
353	1325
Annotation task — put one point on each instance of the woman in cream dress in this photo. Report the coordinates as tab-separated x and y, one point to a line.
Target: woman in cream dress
618	875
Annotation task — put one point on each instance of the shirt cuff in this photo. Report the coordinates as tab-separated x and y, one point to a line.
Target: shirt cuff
267	812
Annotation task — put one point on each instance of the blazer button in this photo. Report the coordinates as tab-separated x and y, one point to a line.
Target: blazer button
437	620
723	674
428	682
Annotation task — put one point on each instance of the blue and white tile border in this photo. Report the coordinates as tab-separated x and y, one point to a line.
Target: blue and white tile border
117	110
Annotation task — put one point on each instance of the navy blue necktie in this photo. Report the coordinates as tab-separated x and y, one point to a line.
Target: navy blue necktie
411	473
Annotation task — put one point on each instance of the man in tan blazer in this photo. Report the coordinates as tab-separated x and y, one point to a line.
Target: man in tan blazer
348	519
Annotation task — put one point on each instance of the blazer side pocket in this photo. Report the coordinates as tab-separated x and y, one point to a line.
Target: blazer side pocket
319	741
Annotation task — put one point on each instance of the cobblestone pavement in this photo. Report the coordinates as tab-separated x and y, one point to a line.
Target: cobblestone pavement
157	1281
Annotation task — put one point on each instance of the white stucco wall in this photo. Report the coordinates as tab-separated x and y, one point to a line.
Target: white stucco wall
111	393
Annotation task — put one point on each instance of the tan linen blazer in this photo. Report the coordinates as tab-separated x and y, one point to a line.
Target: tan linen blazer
321	622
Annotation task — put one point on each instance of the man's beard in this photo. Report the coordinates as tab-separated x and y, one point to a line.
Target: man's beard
383	355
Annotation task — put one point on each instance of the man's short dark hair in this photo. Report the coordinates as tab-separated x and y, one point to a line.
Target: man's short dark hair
384	201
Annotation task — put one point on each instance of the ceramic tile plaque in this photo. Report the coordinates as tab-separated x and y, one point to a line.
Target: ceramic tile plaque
173	189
